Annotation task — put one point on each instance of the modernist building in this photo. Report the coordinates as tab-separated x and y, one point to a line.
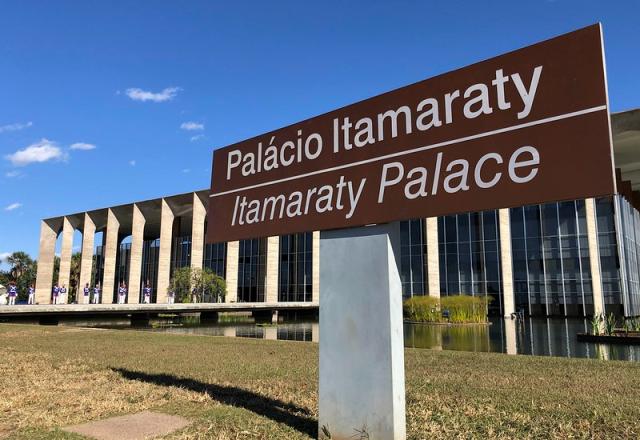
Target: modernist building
571	258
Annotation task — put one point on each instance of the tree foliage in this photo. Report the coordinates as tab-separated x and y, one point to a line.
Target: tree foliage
22	270
204	283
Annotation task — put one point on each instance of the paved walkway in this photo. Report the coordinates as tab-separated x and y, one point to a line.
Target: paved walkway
139	426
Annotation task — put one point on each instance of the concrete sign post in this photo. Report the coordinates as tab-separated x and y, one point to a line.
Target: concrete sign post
528	127
361	338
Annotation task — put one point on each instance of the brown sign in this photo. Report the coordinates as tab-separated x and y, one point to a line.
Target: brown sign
526	127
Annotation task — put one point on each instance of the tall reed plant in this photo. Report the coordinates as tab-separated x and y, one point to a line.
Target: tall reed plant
458	309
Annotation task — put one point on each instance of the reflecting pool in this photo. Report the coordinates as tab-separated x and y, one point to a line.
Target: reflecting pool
531	336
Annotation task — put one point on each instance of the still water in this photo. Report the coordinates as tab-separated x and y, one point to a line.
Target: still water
531	336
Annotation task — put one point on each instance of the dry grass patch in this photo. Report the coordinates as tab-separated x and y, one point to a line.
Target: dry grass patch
234	388
42	392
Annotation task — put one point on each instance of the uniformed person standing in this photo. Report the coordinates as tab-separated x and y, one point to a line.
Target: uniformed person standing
122	293
13	293
32	295
96	294
85	294
56	292
146	299
62	296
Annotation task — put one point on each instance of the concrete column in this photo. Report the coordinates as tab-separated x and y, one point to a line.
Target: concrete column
315	268
433	256
233	253
110	252
510	336
135	262
86	261
197	232
594	256
44	278
361	374
506	262
271	333
65	255
164	253
272	269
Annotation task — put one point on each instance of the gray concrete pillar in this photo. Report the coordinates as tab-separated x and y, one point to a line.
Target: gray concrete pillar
361	369
233	253
135	261
271	333
197	232
44	277
510	336
65	256
433	257
164	253
272	269
506	262
594	256
86	261
315	268
110	252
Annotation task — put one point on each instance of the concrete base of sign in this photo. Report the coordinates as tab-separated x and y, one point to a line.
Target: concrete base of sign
361	389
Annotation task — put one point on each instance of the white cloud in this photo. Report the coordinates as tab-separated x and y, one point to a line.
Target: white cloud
197	137
82	146
186	170
14	173
192	126
132	163
42	151
4	256
143	95
13	206
15	126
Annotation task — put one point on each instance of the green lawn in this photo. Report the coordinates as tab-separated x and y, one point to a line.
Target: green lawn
235	388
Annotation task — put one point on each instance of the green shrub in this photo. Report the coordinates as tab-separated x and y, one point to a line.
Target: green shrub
461	309
423	309
609	324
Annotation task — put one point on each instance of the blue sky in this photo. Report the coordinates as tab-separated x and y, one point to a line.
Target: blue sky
110	102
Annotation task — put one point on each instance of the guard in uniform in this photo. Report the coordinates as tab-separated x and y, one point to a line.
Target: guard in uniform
56	291
13	293
122	293
96	294
85	294
62	297
32	295
146	293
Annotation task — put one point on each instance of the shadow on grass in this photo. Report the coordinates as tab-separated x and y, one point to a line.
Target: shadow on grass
296	417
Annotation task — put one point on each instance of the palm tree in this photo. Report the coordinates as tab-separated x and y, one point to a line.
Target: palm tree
20	262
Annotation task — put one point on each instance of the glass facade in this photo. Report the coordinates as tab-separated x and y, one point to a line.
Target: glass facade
608	248
629	247
252	270
296	267
122	269
413	251
215	258
469	248
551	268
180	252
551	261
97	271
550	257
150	253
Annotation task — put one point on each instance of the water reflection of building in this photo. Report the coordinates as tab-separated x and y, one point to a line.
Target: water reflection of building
571	258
